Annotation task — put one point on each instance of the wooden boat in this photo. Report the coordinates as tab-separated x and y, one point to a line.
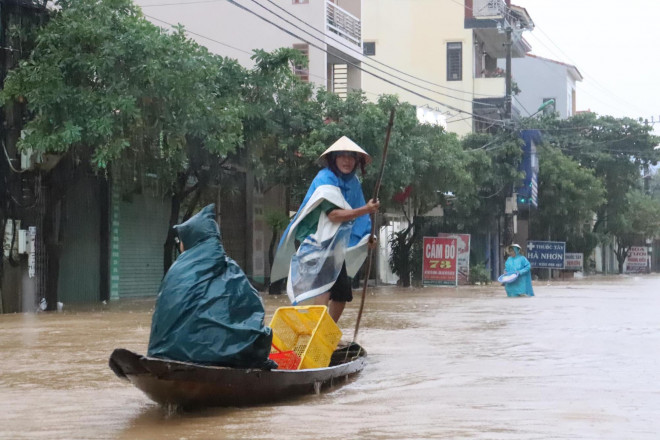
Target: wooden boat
190	385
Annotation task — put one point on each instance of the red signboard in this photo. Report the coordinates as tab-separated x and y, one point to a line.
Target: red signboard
462	256
440	256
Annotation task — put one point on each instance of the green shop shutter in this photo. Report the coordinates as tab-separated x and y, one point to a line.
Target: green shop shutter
141	228
79	274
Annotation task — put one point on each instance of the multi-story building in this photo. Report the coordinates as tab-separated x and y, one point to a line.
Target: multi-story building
328	32
444	55
541	80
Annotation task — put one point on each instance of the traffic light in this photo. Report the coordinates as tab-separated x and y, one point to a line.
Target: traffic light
524	194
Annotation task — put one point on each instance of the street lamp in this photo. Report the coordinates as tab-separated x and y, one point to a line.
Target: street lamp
543	106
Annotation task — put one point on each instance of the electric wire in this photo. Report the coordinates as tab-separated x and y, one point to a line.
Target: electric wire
179	3
200	35
364	62
478	117
373	59
607	92
11	167
353	49
475	116
233	47
595	81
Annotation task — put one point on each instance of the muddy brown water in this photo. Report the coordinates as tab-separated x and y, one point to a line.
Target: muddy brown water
581	360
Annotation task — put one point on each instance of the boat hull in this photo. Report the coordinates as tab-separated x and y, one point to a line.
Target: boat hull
190	385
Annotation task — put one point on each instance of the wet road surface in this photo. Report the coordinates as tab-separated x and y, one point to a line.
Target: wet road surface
578	361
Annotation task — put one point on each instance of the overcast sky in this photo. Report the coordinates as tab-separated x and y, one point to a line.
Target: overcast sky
614	45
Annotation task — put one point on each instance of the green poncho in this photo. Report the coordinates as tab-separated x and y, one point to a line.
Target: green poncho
206	311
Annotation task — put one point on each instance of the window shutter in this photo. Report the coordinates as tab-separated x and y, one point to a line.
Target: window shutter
454	61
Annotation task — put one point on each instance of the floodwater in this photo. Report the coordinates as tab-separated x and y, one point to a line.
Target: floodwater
578	361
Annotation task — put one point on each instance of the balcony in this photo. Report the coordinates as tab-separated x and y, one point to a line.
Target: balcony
489	9
344	24
492	87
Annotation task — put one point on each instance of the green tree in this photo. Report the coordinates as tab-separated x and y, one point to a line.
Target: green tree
618	150
493	167
281	112
638	220
103	85
569	195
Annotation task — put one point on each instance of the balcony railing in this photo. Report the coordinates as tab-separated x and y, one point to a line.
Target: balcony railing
343	23
488	8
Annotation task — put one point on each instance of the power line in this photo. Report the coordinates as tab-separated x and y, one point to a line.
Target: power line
180	3
233	2
236	48
372	59
593	79
346	46
363	62
200	35
478	117
607	92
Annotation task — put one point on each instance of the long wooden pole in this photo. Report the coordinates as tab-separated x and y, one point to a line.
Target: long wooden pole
373	224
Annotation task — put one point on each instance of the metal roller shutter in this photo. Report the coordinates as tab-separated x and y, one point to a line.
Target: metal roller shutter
142	228
80	258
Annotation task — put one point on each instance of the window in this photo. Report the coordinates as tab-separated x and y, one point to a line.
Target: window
302	71
369	48
454	61
573	106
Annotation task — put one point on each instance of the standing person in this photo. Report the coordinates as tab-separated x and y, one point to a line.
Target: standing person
206	311
333	228
518	264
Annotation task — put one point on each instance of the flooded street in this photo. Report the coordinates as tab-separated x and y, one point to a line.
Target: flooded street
578	361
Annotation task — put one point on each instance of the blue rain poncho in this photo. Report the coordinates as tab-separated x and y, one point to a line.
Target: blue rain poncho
523	284
206	311
315	266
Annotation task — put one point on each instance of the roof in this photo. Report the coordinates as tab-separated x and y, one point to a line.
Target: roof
573	70
521	14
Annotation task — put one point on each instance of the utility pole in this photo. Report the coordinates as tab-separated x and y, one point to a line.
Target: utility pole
507	99
511	200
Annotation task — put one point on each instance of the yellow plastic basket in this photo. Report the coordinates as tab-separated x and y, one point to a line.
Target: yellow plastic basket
309	331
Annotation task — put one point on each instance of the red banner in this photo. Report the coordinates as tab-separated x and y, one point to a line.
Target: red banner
440	256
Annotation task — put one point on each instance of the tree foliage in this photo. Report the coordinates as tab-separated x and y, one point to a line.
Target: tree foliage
105	86
104	79
569	195
616	151
639	220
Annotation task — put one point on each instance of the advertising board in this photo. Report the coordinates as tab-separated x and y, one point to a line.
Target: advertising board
439	261
463	257
546	254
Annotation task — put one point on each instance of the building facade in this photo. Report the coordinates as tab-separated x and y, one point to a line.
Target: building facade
328	32
541	80
444	56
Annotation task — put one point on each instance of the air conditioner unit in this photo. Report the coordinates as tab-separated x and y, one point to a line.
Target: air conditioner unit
42	161
26	160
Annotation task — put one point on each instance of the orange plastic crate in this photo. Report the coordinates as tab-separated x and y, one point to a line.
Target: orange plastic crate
286	360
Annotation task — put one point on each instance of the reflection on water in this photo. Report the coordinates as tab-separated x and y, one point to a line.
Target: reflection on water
577	361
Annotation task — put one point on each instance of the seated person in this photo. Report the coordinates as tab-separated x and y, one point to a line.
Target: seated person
206	311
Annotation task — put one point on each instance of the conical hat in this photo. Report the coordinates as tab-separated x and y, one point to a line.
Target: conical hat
345	144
